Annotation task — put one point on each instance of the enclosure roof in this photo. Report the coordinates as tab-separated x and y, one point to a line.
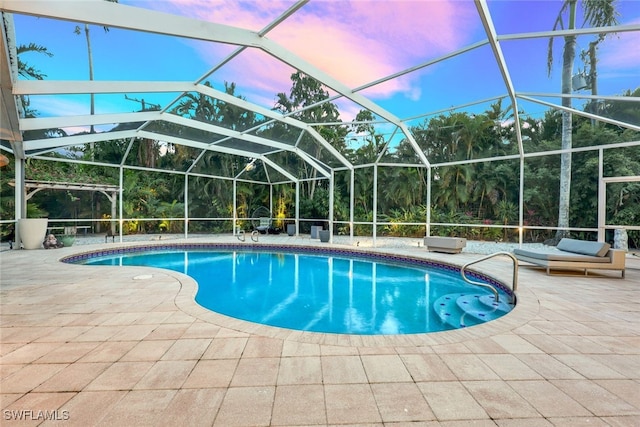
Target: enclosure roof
145	75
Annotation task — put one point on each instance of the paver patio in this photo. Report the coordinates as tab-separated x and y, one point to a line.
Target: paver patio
97	345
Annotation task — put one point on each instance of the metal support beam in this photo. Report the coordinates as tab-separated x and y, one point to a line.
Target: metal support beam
332	181
352	181
121	207
485	17
117	15
375	204
297	207
20	197
428	202
186	206
9	107
235	207
602	196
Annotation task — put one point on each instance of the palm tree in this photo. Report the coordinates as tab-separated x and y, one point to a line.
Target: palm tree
198	106
29	72
307	91
597	13
452	186
26	70
78	31
608	15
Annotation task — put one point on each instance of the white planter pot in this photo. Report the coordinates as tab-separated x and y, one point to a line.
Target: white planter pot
32	232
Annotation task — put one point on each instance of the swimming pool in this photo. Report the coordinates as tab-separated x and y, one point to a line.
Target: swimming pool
331	291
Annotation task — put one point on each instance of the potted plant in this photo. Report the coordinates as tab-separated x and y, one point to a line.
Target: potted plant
67	240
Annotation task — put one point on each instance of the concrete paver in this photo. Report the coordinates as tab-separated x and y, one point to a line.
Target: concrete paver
129	346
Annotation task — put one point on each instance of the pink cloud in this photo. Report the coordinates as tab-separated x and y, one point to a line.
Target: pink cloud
362	41
355	42
51	106
251	15
620	51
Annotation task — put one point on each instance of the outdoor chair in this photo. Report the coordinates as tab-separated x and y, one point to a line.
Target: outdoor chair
264	225
262	222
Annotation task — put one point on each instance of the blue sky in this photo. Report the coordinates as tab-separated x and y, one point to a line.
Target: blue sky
355	42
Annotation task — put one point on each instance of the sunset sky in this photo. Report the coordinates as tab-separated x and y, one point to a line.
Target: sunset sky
356	42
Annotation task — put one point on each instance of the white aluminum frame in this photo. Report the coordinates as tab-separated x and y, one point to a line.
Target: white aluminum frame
115	15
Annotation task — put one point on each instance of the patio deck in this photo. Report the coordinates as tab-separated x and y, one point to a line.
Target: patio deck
94	345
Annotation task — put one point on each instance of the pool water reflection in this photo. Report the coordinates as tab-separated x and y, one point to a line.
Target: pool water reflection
319	293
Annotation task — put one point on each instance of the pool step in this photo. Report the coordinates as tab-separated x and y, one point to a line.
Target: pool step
463	309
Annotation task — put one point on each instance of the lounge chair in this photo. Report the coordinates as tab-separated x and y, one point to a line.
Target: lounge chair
573	254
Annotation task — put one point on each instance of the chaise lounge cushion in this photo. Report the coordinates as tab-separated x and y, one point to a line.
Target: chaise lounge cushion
556	255
595	249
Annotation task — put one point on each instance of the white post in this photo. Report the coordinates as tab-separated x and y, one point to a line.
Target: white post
297	207
20	198
521	203
114	211
235	207
375	203
602	197
428	201
121	204
351	205
331	201
186	205
272	224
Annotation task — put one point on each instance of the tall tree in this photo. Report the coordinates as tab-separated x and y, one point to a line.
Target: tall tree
26	70
213	197
307	95
597	13
607	15
29	72
87	35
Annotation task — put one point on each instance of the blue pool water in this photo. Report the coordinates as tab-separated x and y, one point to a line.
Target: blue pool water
325	293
